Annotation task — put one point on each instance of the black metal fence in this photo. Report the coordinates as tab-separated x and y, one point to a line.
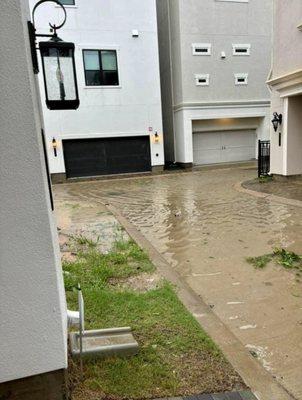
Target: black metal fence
264	155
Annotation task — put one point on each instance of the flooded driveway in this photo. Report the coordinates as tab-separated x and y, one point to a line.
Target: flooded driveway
206	229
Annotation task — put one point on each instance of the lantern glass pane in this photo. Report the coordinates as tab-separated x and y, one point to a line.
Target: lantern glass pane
59	74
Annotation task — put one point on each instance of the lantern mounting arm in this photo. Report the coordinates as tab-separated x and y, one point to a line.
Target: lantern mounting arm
33	32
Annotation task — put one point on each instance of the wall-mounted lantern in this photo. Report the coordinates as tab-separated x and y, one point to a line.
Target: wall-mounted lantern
156	138
54	144
58	63
276	121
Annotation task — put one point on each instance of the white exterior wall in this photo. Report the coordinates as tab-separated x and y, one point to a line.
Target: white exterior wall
127	110
32	299
286	83
220	24
185	119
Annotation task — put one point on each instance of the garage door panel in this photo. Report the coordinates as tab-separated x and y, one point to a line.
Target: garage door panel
210	156
92	157
206	148
239	138
206	141
238	154
223	146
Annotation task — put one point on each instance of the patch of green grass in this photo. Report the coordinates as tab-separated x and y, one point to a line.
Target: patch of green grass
94	270
260	262
265	179
82	240
73	206
176	356
286	259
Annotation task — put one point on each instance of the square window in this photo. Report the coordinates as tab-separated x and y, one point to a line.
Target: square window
101	67
234	1
202	79
201	49
241	79
241	49
67	2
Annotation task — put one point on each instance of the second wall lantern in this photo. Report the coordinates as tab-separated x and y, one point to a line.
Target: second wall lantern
276	121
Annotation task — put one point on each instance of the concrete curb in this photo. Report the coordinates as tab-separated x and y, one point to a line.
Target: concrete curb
261	382
278	199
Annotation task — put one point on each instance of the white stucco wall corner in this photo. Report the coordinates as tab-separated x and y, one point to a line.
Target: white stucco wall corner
32	297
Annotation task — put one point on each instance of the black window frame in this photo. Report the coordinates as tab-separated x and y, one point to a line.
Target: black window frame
62	2
241	50
101	70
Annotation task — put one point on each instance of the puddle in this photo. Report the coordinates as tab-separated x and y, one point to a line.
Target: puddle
205	230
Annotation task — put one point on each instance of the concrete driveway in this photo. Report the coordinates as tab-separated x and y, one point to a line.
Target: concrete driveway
206	229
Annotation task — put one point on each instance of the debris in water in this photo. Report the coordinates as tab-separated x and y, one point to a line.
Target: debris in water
245	327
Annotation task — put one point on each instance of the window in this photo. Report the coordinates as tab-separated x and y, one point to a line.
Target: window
241	49
201	49
101	68
235	1
241	79
67	2
202	79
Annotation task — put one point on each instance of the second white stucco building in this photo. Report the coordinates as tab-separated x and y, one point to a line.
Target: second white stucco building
215	57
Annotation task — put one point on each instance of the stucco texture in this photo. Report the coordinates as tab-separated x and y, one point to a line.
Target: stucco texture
32	301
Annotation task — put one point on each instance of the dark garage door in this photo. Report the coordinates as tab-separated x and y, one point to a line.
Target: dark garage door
92	157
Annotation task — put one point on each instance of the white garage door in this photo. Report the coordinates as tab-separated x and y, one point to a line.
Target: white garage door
226	146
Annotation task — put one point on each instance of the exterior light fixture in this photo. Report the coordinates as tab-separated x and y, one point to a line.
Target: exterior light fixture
276	121
55	147
58	63
156	138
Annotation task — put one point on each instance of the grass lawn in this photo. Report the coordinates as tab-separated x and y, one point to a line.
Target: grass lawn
176	357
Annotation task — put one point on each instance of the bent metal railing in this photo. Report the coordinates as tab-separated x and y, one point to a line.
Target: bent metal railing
264	155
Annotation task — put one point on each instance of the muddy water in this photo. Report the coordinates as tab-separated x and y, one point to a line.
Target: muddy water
206	229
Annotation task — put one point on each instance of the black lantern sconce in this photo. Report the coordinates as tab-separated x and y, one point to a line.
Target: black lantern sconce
58	63
276	121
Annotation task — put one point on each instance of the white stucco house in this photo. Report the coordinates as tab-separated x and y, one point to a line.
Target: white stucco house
215	57
118	126
33	327
286	85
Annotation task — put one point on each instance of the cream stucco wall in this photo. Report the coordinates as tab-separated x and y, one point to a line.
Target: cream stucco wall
286	83
287	44
33	337
294	136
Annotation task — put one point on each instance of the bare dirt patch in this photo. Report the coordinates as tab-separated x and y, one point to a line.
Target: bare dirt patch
141	283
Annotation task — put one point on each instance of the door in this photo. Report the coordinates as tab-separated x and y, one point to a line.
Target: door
93	157
225	146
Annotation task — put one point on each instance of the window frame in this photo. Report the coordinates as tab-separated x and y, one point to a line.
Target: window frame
234	1
244	76
202	76
99	49
245	46
68	5
207	46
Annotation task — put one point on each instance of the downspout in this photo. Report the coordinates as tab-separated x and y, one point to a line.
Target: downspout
171	78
